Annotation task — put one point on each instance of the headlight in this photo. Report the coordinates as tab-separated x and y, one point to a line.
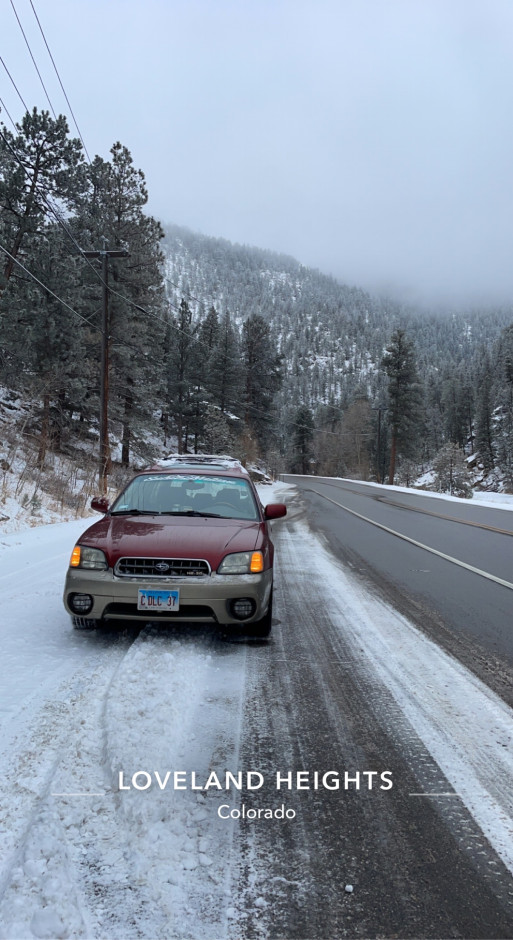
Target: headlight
242	563
83	557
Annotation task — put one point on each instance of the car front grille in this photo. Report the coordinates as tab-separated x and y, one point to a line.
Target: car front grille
162	568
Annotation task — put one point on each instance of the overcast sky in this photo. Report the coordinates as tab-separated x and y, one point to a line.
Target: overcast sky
372	139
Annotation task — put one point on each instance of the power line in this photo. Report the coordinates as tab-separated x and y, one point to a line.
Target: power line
40	78
184	291
2	103
60	82
44	286
20	96
33	60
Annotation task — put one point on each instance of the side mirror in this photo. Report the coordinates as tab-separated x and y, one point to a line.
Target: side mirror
275	511
100	503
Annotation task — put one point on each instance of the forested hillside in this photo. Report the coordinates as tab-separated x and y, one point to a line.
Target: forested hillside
333	411
192	343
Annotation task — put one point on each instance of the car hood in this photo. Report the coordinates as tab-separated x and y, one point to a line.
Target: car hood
173	537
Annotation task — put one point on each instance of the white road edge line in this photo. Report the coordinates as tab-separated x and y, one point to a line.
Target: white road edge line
434	551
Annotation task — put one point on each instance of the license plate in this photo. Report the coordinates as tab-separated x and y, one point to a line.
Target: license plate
155	601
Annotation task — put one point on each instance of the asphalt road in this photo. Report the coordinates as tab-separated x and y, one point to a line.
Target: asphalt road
467	613
414	866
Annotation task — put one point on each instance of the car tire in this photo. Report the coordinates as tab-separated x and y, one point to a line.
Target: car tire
262	628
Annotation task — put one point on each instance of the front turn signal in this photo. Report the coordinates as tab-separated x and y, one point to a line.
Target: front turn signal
75	557
257	563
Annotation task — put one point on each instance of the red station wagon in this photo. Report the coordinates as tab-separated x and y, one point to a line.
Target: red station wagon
187	540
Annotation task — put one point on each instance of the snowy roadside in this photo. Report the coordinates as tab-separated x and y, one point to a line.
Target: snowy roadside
75	710
15	517
86	859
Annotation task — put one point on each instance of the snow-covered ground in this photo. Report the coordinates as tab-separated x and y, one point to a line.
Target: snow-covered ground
498	500
75	710
83	858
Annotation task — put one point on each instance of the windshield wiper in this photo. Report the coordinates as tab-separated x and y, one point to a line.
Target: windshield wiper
156	512
135	512
191	512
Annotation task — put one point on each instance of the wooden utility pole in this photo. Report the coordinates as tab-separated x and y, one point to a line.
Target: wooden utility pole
103	468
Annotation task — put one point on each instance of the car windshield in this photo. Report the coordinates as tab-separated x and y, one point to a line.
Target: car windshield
187	495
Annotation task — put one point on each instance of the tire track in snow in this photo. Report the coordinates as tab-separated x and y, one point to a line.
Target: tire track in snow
176	706
131	864
138	864
37	870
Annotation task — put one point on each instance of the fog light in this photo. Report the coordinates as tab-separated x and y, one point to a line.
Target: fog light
243	608
80	603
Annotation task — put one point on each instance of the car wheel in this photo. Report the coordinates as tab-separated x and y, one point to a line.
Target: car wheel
262	628
84	623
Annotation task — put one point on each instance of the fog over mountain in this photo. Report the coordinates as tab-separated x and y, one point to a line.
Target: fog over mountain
242	280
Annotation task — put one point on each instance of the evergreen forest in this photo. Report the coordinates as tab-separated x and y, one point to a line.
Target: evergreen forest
216	347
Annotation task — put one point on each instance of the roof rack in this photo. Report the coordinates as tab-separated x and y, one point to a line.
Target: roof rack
201	460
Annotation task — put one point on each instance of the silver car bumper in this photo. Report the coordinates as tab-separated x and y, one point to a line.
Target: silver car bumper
202	599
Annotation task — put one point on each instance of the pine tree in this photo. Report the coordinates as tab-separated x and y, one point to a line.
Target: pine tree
263	377
454	405
208	332
181	365
37	164
503	429
224	380
404	397
484	414
302	441
217	434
